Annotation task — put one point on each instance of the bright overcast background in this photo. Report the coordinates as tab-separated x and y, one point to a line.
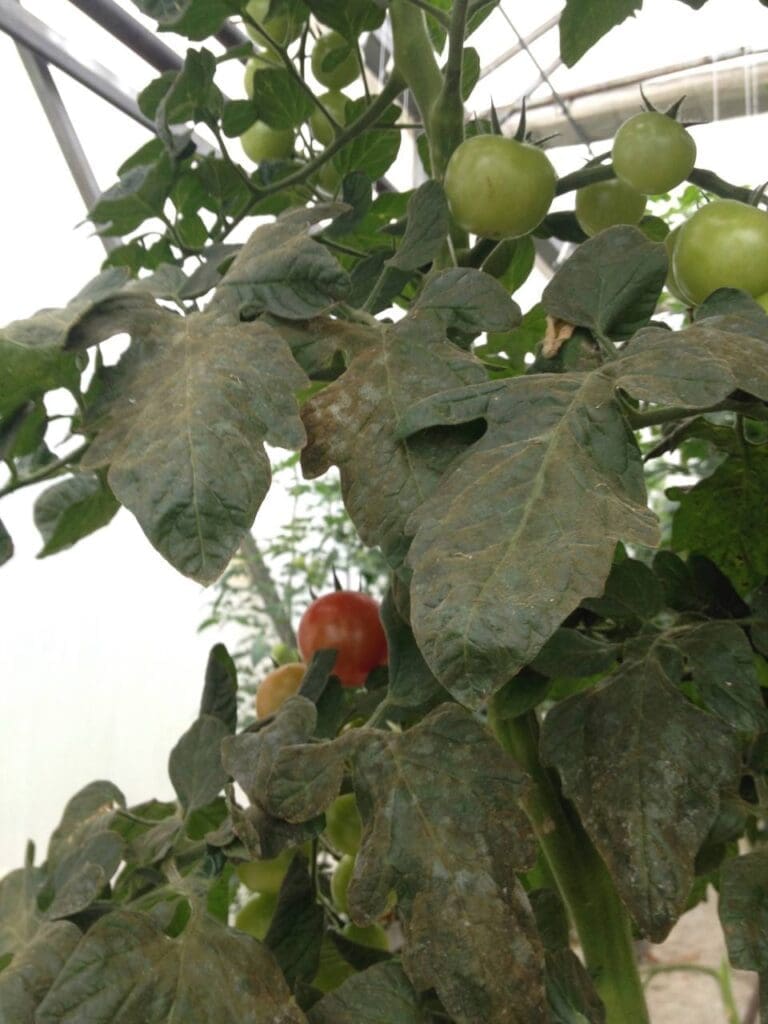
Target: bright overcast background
100	662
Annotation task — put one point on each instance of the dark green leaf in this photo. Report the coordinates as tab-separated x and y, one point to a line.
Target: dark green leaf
6	544
584	22
426	229
571	991
282	270
470	71
33	970
380	993
71	510
676	581
20	917
192	97
644	769
631	591
195	767
571	654
195	19
89	811
351	19
372	152
411	684
139	195
296	929
723	516
237	116
81	877
220	691
744	910
182	425
611	284
731	302
210	272
126	971
467	300
352	423
279	99
551	919
720	658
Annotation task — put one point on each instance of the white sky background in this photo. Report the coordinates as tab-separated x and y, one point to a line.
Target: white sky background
100	664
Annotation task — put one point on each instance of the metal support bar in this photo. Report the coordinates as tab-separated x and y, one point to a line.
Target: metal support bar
63	129
124	27
513	51
27	30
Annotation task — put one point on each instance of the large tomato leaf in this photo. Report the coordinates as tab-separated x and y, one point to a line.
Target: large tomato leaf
524	525
181	425
125	970
82	876
33	970
380	993
442	827
353	424
90	811
644	768
426	229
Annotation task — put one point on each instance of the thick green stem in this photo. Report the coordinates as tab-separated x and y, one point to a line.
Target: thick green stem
415	58
598	915
446	118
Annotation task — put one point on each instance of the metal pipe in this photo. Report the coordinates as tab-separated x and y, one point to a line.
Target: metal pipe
124	27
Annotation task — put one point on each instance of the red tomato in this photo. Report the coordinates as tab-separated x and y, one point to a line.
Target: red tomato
348	623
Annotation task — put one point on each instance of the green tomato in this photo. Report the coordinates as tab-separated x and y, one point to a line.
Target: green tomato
329	178
673	286
340	880
282	28
498	187
607	203
256	915
260	142
343	825
652	152
335	103
723	245
334	61
372	935
333	969
265	876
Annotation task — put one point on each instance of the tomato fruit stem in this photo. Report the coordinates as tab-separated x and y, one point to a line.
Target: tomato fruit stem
602	923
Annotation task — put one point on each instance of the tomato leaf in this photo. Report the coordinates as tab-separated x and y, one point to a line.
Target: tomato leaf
127	971
632	592
6	544
195	19
644	768
584	22
71	510
195	766
571	654
34	969
380	993
90	810
744	910
426	229
139	194
372	153
296	929
467	300
351	19
611	284
724	516
81	877
279	100
181	426
352	423
20	917
411	684
281	270
220	690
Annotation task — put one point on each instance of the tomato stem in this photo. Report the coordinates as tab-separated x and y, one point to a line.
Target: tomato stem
602	923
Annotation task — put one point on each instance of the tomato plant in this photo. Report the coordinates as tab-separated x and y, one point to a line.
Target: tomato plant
606	204
334	61
652	152
348	623
723	245
499	187
277	686
553	726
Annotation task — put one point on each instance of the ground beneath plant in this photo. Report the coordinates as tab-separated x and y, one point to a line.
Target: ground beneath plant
691	997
